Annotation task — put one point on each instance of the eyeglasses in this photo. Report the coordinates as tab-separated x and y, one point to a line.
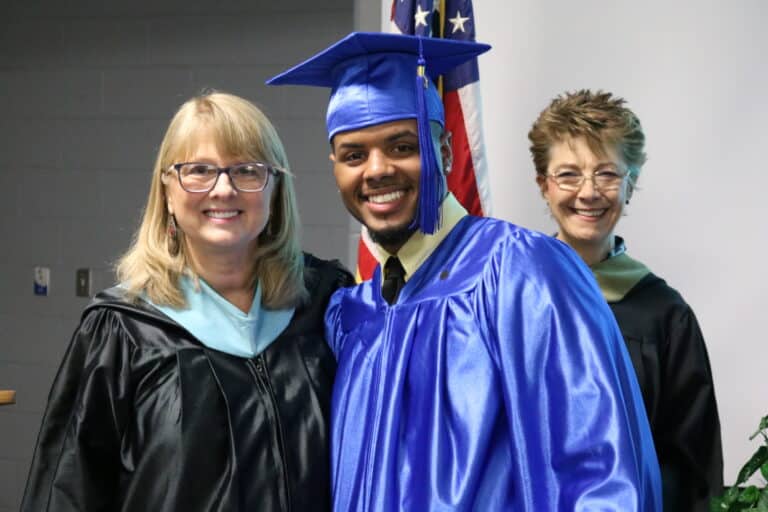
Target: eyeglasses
603	180
246	177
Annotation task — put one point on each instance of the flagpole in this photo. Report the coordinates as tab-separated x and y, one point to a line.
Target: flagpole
441	24
442	18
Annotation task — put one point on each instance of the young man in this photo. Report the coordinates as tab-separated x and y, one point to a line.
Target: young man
483	371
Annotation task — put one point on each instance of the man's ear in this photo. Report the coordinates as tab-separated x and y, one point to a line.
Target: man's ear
446	152
332	156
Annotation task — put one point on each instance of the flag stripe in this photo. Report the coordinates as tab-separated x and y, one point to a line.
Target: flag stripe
366	263
461	179
471	106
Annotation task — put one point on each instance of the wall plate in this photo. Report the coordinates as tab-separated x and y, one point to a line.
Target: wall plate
42	280
83	282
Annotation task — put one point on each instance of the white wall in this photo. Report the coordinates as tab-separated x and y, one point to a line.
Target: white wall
695	72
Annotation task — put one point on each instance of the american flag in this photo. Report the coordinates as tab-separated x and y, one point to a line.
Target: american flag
468	179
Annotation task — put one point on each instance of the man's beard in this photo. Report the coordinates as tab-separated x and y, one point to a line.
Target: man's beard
396	236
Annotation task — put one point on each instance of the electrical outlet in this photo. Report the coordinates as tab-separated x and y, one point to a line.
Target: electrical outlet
83	282
42	280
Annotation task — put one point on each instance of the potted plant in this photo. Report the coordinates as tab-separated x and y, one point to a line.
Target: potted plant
752	497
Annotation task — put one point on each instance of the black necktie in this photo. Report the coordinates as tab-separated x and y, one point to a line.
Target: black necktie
394	279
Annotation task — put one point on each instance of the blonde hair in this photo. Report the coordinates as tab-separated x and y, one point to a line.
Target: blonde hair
156	260
599	117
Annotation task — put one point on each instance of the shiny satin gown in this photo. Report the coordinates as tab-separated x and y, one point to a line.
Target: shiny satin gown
498	381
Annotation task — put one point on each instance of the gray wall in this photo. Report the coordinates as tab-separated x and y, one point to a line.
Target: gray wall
86	90
695	71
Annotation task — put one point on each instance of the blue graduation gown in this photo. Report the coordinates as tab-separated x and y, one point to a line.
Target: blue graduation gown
498	381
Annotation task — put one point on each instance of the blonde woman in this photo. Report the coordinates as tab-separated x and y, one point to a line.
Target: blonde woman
203	381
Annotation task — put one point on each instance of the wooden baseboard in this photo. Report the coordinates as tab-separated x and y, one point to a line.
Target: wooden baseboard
7	397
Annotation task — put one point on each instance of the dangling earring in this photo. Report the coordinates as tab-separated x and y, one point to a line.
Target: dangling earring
172	230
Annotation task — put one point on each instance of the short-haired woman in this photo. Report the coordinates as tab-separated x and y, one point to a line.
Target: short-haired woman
588	149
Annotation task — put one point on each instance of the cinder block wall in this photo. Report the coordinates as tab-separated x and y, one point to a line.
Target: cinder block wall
86	90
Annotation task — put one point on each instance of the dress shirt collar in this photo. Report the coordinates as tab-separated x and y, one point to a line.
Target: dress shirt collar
420	246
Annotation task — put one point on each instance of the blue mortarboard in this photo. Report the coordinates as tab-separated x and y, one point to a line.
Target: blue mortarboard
376	78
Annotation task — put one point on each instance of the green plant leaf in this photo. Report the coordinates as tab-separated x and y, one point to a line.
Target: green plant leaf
731	496
763	426
762	503
758	458
728	502
750	498
750	495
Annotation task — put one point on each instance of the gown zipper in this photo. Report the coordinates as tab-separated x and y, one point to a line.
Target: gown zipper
262	377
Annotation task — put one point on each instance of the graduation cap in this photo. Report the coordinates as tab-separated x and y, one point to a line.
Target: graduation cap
377	78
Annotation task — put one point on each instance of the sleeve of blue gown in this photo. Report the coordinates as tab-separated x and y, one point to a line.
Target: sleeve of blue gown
77	457
333	323
575	411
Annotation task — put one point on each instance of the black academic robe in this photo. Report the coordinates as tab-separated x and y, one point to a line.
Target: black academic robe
142	417
669	355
